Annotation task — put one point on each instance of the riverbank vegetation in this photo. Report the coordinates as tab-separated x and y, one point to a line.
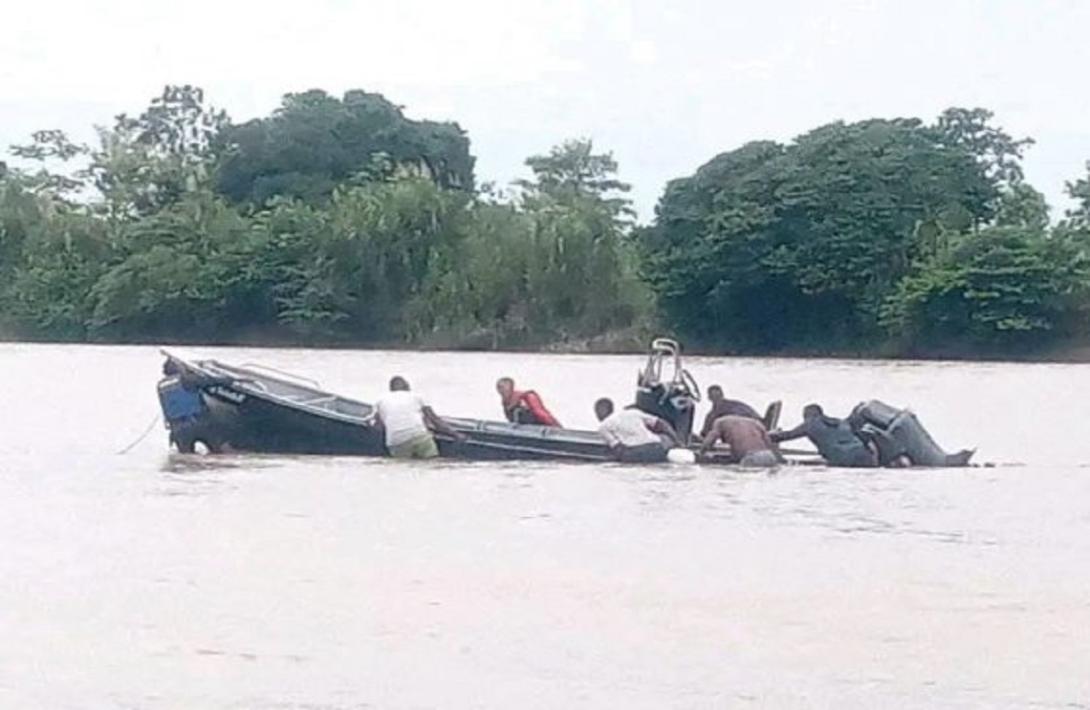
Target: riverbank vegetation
342	221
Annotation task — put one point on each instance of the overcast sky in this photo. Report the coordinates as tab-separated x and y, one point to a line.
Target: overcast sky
664	85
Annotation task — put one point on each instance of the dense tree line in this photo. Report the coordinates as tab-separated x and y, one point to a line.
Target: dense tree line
332	220
342	220
882	234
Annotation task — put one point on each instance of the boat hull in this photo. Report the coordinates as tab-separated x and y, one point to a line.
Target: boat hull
251	423
249	410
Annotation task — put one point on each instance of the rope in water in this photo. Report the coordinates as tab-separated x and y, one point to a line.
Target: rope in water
151	425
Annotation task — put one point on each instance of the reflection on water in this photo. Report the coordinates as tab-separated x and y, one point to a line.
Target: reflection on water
153	580
195	463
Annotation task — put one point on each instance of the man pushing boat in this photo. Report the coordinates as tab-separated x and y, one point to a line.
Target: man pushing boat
749	442
875	434
834	438
634	436
408	423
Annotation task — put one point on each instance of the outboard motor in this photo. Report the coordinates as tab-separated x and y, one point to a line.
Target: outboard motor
666	389
898	432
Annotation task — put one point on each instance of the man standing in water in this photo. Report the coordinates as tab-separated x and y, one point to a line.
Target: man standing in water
634	436
747	438
834	438
523	407
184	408
722	407
409	422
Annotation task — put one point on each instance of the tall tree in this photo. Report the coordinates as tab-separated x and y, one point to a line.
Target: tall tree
148	162
1021	205
580	272
1079	191
554	264
315	141
773	245
51	149
999	154
572	170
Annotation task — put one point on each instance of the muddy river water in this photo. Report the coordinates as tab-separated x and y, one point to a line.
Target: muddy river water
152	580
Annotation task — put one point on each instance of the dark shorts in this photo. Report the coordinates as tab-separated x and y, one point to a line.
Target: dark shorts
645	453
856	457
185	433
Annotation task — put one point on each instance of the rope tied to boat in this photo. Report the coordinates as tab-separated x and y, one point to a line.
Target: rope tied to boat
144	435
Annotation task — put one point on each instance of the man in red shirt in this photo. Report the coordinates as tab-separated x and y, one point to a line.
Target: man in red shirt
523	407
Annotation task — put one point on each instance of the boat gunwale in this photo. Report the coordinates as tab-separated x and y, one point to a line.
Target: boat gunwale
537	431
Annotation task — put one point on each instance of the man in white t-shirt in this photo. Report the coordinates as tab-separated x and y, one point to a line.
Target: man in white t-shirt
634	436
409	422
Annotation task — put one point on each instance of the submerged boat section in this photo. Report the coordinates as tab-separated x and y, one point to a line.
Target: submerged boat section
256	408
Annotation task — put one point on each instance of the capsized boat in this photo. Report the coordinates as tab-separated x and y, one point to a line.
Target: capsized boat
252	407
255	408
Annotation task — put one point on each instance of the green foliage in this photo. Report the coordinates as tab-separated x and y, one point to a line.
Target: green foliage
480	294
340	220
389	257
573	171
996	152
21	214
51	255
50	147
174	274
369	253
1022	206
555	265
315	141
1001	288
1079	191
148	163
773	246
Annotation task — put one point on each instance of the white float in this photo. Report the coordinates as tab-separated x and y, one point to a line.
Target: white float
680	456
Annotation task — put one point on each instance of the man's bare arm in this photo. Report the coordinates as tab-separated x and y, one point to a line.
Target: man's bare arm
709	441
661	426
709	423
436	423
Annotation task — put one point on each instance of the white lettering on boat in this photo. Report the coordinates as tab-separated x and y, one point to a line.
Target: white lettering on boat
229	395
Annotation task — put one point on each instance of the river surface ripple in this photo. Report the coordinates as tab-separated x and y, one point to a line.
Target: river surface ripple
151	580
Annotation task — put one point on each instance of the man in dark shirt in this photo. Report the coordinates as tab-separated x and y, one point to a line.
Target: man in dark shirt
834	438
723	407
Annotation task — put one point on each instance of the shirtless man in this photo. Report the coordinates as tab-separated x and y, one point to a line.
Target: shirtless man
747	438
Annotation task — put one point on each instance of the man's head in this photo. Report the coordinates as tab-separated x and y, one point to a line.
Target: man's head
715	393
399	384
812	411
170	368
505	386
603	408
